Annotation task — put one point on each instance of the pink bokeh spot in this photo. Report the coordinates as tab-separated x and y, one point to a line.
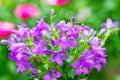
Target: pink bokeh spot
62	2
57	2
25	11
6	29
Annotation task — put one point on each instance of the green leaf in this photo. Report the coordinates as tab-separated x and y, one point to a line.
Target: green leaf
71	73
57	48
46	66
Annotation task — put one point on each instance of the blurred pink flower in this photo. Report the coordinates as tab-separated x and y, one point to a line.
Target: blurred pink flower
6	29
57	2
62	2
25	11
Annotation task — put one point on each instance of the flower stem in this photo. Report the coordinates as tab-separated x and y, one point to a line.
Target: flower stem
64	75
106	36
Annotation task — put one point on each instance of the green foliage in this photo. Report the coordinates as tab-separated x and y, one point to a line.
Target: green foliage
71	73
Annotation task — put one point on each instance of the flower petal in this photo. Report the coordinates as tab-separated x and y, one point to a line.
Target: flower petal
98	67
115	24
104	25
109	22
75	65
53	79
58	74
64	47
47	77
85	70
78	72
59	62
52	59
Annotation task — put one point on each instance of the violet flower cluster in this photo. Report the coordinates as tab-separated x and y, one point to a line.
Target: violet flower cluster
63	51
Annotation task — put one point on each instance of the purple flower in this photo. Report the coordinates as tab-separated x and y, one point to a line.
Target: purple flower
86	31
23	65
89	57
23	32
63	27
99	53
98	56
52	75
95	40
65	42
19	55
42	25
109	24
40	30
74	31
39	48
58	57
95	58
14	39
81	66
19	51
16	46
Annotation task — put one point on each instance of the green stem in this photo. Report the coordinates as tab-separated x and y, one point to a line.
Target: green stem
106	36
116	29
98	35
53	31
42	60
64	75
51	24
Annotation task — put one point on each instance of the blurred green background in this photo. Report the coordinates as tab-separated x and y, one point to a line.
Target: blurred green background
89	12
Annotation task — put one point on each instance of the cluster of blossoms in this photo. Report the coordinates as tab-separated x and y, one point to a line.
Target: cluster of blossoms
62	51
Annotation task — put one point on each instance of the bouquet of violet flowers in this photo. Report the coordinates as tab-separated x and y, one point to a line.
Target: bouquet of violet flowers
62	51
